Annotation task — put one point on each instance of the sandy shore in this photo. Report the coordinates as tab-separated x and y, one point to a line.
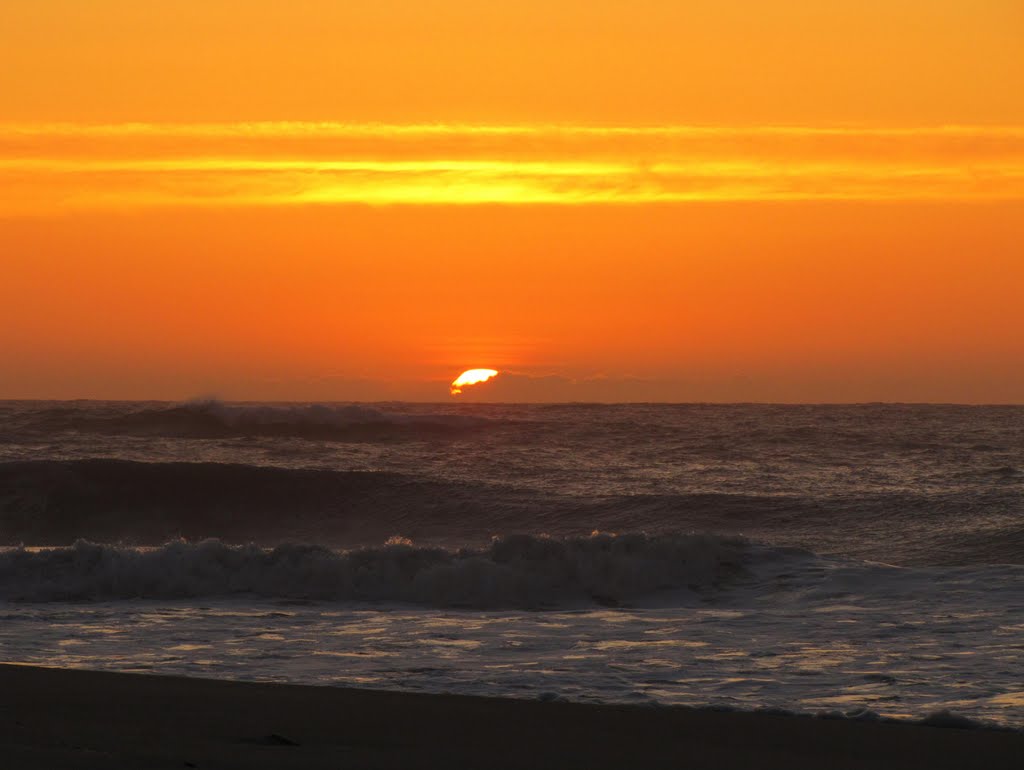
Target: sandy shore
52	719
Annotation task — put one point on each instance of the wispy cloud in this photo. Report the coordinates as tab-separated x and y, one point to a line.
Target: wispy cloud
59	166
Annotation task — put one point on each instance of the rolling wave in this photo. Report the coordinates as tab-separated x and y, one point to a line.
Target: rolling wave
515	571
57	502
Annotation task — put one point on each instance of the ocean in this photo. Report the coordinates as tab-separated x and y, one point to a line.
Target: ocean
860	561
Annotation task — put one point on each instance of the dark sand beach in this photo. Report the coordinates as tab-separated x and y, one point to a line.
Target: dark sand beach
53	718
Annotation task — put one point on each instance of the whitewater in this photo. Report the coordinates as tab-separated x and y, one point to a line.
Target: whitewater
863	561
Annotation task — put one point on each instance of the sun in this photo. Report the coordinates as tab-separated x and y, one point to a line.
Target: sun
471	377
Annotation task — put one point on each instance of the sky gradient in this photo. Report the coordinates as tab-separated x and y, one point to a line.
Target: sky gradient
710	201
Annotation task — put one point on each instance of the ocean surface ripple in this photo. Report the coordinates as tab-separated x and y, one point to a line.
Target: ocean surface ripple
863	559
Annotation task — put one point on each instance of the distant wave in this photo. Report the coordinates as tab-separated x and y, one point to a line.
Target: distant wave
216	419
516	571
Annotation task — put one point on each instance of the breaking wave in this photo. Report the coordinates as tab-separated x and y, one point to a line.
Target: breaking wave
56	502
51	503
514	571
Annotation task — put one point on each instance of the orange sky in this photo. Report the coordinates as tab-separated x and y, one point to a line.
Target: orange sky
653	200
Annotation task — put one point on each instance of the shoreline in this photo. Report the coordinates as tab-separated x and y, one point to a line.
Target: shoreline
70	718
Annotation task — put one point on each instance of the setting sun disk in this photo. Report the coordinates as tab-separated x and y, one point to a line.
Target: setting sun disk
471	377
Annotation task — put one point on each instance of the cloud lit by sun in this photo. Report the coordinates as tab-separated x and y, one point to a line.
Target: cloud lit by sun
96	167
471	377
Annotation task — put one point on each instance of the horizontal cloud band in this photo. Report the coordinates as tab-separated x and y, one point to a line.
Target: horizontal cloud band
58	166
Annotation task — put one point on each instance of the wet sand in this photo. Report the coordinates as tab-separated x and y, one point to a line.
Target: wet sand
54	718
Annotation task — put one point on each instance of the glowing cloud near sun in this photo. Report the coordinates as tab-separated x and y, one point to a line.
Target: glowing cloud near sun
47	167
471	377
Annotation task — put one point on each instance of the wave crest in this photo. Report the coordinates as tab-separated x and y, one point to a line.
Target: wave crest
514	571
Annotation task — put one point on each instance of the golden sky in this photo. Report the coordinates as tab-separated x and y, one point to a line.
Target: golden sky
646	200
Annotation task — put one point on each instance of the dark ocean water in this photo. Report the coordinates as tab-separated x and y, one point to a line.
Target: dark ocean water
904	485
807	557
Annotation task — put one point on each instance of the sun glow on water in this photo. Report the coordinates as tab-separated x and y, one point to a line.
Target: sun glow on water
471	377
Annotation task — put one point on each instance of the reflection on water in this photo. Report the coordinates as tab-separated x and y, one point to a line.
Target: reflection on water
845	659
